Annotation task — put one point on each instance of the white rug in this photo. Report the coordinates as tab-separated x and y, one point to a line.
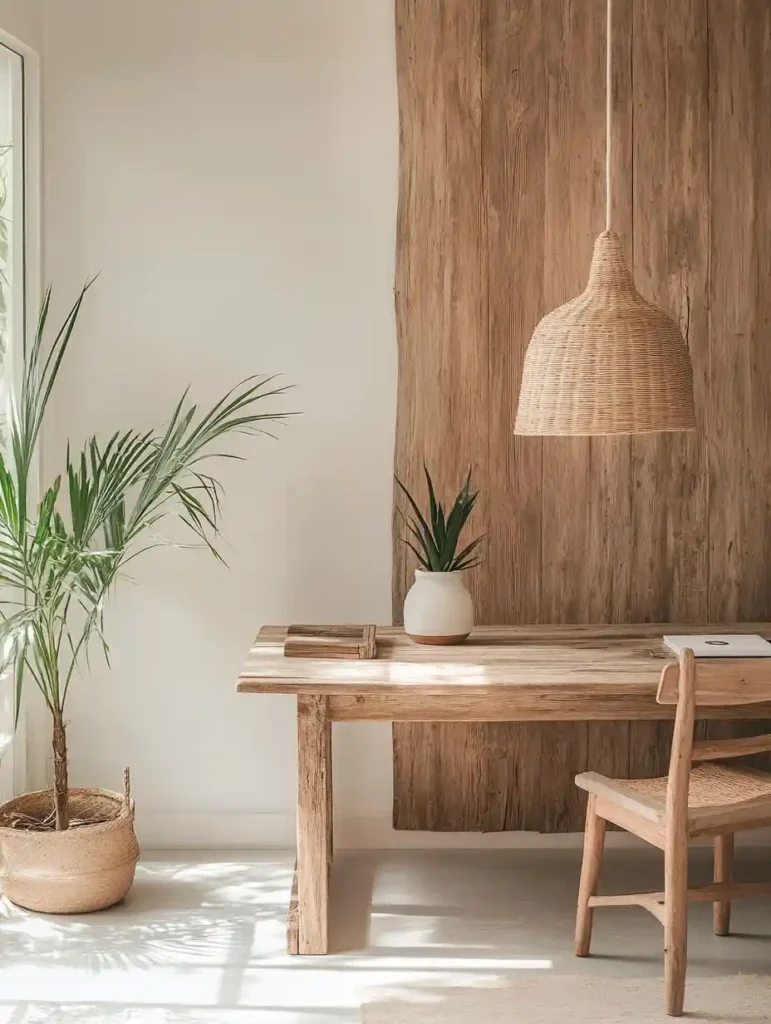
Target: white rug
559	999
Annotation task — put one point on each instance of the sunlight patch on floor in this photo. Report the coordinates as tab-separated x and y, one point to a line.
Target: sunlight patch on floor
202	941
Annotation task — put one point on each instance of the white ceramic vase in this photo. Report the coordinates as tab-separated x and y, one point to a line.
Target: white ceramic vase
438	608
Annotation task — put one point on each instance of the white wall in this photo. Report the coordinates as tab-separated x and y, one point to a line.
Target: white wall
230	166
24	20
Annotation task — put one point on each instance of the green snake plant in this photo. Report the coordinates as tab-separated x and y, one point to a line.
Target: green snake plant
434	538
61	555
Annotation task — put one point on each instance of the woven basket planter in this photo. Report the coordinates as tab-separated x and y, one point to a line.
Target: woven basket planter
86	868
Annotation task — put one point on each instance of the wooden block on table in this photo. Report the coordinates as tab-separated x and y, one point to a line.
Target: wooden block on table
346	642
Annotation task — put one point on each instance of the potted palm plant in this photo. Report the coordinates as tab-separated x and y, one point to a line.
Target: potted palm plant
438	608
74	850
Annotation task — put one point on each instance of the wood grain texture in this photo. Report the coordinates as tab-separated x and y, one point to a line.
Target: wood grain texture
533	705
314	823
345	642
512	674
722	874
513	154
293	918
631	822
501	196
441	312
594	841
567	662
670	233
723	682
711	800
676	841
449	751
720	750
737	423
611	789
594	527
698	894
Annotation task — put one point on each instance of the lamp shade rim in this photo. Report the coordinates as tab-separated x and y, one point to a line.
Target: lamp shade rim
548	431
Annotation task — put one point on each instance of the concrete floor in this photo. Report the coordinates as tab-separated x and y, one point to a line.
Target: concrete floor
200	939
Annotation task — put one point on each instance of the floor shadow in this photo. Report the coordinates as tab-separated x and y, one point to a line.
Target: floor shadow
202	941
351	892
39	1012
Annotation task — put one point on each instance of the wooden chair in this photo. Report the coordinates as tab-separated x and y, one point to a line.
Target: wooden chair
710	799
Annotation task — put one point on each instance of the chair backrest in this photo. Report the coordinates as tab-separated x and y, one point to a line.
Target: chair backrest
710	682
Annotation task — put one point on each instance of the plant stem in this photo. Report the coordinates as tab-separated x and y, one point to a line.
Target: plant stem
61	784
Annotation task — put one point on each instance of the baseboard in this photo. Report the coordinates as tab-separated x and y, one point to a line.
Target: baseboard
214	830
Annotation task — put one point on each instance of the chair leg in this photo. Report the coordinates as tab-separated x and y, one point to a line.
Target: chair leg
724	864
675	925
594	841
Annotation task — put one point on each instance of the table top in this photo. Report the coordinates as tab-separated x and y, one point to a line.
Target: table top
495	659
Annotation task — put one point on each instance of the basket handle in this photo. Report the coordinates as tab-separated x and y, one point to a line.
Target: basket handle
127	792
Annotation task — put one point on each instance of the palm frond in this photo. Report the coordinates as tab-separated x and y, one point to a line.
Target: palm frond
60	560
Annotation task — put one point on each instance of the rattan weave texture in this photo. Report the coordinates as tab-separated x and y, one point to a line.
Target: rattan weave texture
607	362
711	785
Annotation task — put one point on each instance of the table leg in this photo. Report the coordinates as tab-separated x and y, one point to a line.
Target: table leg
314	822
330	806
293	918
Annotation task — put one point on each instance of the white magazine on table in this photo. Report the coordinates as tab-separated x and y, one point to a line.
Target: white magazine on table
722	645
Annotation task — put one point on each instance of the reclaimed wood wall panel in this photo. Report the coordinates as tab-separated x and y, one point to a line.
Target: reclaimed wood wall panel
501	197
593	526
740	225
670	171
514	151
441	302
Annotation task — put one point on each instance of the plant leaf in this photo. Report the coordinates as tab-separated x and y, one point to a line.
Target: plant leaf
428	542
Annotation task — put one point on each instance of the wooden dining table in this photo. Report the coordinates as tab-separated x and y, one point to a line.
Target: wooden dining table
500	674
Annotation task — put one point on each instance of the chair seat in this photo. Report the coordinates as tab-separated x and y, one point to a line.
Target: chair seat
711	785
716	791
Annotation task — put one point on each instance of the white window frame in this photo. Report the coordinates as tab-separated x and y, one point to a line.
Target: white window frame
20	767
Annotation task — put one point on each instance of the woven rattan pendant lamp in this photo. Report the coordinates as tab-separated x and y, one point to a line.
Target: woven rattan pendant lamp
607	362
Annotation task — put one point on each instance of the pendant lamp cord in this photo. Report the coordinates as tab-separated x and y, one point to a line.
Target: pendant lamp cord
608	113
